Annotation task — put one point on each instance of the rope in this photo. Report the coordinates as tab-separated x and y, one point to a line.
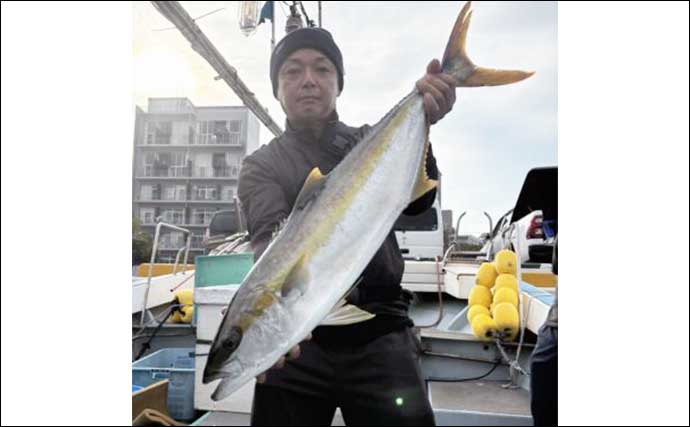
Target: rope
182	282
513	363
440	298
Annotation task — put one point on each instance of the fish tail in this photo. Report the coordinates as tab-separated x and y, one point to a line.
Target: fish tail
458	64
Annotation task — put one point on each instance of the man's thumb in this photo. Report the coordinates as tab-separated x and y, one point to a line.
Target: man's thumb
434	67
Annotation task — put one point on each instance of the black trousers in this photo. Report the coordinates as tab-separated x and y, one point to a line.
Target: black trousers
378	383
544	378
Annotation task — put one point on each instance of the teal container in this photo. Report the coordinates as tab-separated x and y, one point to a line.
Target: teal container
222	269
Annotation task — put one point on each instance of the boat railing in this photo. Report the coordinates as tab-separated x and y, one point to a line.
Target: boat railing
185	248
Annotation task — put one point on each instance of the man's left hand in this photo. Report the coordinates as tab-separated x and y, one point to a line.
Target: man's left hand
438	90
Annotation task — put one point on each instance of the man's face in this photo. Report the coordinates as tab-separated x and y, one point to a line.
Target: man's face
307	87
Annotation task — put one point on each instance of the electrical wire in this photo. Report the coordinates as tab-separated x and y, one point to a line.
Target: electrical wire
460	380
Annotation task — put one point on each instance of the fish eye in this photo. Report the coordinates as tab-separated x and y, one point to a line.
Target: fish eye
234	338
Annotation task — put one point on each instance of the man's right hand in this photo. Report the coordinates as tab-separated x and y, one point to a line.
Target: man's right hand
291	355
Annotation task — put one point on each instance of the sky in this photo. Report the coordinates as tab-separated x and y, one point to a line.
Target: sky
484	147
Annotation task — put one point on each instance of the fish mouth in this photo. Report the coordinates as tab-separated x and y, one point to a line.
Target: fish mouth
220	360
232	370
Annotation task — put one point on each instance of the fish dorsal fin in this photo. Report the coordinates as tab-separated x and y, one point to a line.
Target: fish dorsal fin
346	314
311	188
278	228
424	183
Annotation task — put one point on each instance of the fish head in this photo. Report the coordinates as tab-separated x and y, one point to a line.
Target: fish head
247	337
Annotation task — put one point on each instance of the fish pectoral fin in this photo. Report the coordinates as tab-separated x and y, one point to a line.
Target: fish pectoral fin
346	314
311	188
296	279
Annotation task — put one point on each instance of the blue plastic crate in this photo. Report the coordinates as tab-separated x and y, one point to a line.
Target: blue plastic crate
175	365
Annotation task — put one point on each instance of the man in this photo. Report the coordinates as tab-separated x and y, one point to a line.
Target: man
544	365
369	369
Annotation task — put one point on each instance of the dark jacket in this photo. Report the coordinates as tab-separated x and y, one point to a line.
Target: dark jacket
272	177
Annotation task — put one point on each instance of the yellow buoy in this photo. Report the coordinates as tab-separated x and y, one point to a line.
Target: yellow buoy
506	262
484	327
176	317
475	310
188	311
486	275
506	281
185	296
507	319
505	295
480	295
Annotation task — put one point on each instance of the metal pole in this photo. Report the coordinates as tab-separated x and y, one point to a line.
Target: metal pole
148	281
320	25
177	259
457	227
273	27
186	253
491	242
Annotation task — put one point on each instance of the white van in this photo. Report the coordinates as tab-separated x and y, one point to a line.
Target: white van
420	237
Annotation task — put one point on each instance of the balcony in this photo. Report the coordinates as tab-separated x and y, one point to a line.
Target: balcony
229	172
177	172
213	141
143	199
195	200
150	171
219	139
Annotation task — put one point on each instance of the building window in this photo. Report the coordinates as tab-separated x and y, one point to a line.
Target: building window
148	192
147	216
172	240
206	192
175	192
206	136
181	192
220	132
178	164
158	132
202	216
191	134
173	216
148	163
202	172
197	241
227	193
219	165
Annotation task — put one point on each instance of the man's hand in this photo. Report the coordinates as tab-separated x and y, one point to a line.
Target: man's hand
291	355
438	90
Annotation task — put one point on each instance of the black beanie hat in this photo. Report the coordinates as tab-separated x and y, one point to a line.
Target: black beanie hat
306	38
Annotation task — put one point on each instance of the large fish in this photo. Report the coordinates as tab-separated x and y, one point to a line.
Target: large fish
337	224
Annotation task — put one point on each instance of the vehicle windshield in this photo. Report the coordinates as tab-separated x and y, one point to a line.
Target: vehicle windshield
426	221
